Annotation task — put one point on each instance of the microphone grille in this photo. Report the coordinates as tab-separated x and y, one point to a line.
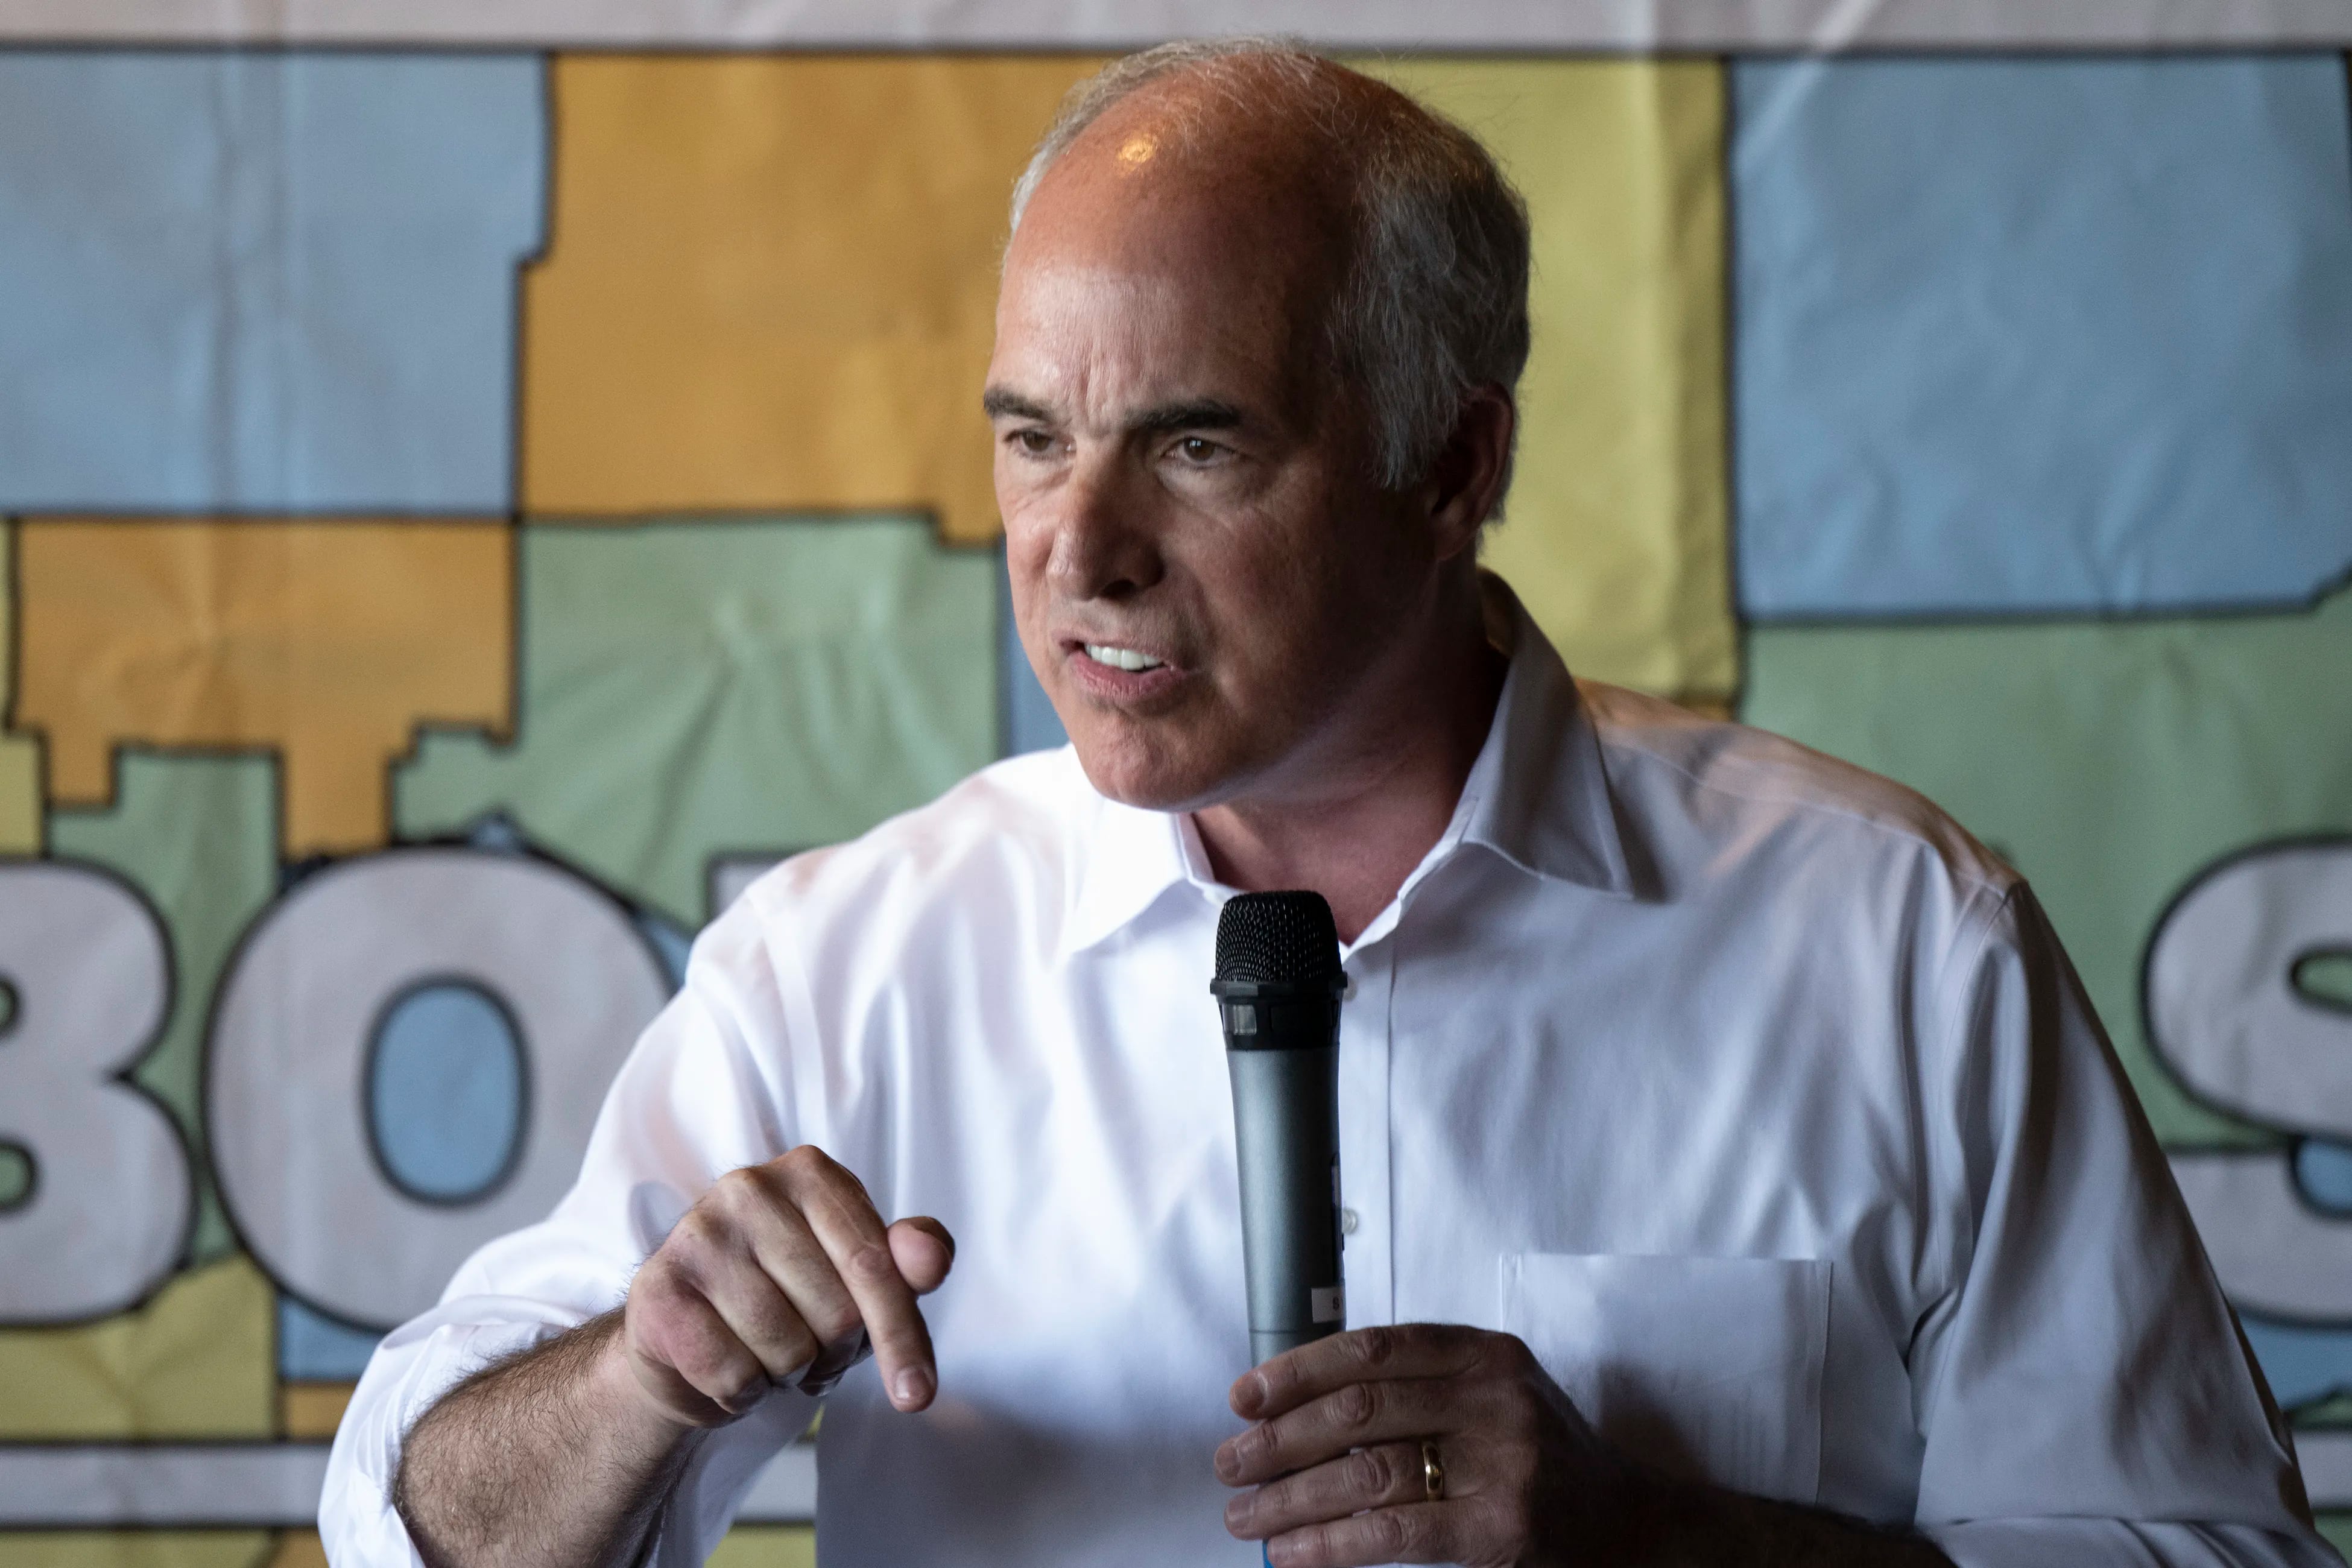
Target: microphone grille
1282	937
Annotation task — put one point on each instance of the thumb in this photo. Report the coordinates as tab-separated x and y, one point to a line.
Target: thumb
923	1250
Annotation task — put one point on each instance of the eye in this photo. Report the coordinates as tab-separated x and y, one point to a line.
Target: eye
1199	449
1032	441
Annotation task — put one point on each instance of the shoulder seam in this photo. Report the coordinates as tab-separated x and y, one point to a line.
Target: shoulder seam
1969	881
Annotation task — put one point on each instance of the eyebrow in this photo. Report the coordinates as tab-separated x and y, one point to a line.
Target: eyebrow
1198	414
999	403
1192	413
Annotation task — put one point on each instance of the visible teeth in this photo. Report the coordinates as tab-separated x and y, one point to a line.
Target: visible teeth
1120	657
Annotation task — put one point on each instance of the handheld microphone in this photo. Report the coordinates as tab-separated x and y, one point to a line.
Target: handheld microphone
1277	988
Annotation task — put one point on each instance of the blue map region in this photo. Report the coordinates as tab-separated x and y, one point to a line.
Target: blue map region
444	1090
312	1345
2308	1363
2020	335
261	280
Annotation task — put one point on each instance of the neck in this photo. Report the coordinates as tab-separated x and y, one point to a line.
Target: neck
1378	792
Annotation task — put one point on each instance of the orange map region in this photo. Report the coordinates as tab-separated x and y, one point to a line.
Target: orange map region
327	643
770	282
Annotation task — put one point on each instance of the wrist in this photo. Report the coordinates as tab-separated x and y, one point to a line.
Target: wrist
624	1390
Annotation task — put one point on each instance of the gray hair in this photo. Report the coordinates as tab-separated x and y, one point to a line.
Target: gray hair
1433	302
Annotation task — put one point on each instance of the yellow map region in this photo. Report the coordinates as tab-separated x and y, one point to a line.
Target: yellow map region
326	642
200	1359
1618	530
197	1360
771	283
20	760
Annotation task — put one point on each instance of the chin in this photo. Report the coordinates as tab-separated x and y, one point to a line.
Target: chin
1146	772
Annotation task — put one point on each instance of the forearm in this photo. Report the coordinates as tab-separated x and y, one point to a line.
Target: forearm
548	1458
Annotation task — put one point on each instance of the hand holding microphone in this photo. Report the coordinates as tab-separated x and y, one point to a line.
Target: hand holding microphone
1420	1443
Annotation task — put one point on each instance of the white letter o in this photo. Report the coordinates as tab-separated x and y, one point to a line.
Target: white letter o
285	1080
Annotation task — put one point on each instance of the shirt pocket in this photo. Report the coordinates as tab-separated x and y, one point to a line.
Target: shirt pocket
1709	1368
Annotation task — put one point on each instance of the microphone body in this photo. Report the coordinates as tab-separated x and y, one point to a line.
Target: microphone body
1277	988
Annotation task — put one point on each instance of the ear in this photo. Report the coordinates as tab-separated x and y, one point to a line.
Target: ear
1465	484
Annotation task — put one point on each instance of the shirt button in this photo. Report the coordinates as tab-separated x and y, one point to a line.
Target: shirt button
1347	1222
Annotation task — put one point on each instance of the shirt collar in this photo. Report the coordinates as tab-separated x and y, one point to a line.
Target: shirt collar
1544	802
1538	795
1128	861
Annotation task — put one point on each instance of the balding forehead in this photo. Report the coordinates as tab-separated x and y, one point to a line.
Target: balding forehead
1197	127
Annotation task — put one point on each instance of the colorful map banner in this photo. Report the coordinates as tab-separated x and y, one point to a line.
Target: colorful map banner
470	504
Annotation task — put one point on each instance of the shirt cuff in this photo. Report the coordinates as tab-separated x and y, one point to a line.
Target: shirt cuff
412	1369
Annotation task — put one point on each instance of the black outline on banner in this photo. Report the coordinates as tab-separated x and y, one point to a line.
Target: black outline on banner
122	1078
518	1133
2279	1142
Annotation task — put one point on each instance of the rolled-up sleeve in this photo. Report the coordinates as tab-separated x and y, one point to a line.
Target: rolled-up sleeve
2084	1391
694	1100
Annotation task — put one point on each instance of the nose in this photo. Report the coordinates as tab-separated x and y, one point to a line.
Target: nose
1103	545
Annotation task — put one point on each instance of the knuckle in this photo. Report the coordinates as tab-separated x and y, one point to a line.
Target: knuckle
870	1263
805	1162
1356	1404
701	1360
1380	1346
738	1392
795	1349
1370	1473
1256	1445
1424	1537
833	1322
698	1229
654	1286
1316	1543
735	1191
1392	1532
668	1299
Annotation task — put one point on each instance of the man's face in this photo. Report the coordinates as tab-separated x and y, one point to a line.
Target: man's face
1203	566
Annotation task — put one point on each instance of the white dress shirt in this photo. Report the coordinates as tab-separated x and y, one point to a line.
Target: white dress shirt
1749	1091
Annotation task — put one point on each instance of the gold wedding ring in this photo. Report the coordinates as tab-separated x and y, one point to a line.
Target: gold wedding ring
1432	1471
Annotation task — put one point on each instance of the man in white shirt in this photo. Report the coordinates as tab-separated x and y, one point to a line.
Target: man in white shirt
1733	1169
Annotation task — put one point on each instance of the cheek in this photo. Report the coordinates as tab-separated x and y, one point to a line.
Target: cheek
1027	543
1273	578
1014	482
1027	550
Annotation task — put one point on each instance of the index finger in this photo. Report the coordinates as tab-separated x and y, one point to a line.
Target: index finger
844	1221
1359	1355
